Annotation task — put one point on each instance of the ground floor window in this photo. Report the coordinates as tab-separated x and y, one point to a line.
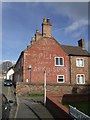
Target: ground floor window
60	78
80	78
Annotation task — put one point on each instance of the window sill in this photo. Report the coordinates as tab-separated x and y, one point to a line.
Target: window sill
80	66
61	82
80	83
59	65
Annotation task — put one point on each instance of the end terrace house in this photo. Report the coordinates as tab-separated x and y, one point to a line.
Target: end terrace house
63	64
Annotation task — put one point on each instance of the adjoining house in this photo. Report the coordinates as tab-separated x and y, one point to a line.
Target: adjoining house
10	72
63	64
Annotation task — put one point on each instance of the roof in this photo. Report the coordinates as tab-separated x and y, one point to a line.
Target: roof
70	50
75	50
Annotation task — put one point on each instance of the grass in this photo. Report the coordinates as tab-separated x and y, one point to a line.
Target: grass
82	106
35	95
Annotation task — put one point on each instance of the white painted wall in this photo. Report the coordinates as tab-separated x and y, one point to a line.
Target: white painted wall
10	74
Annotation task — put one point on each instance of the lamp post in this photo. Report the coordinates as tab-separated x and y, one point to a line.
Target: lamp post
45	87
30	67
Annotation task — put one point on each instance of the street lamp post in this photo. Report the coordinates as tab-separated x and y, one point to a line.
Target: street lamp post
30	67
45	87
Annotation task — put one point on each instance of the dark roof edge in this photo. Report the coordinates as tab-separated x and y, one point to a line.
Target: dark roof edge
19	58
79	55
88	54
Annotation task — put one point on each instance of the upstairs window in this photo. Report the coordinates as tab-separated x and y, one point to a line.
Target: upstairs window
60	78
80	78
59	61
80	62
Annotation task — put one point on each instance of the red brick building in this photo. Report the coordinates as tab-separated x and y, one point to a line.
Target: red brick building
63	64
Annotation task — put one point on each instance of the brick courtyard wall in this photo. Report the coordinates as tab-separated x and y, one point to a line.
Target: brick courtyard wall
23	88
26	88
59	110
69	98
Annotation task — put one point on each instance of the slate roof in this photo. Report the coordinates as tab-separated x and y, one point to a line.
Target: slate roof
75	50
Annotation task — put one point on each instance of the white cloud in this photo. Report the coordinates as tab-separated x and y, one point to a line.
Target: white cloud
76	25
73	11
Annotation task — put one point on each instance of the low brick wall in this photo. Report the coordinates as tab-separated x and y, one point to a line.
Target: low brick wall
26	88
60	111
67	88
69	98
57	109
23	88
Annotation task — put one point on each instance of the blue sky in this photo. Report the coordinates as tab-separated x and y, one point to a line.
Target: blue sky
21	19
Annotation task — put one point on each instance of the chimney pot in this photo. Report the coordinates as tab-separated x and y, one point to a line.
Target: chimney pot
48	20
37	35
37	31
44	20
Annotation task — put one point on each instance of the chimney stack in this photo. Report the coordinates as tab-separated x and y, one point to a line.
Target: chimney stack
81	43
37	35
32	40
46	28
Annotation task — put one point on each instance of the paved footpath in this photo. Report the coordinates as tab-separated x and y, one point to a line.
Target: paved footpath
32	108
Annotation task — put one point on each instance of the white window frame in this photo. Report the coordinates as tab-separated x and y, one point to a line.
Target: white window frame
77	78
77	62
59	58
58	78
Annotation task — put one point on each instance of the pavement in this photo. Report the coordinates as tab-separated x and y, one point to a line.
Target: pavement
11	96
32	107
28	107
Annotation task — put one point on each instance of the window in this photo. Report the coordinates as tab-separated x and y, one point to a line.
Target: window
80	79
59	61
80	62
60	78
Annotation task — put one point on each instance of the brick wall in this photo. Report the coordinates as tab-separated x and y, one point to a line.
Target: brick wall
25	88
37	88
59	110
69	98
41	56
41	53
79	70
89	69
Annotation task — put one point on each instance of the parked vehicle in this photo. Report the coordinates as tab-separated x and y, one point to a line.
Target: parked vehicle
8	82
5	107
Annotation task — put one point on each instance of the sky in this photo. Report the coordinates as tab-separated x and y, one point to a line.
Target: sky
21	19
